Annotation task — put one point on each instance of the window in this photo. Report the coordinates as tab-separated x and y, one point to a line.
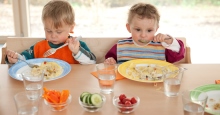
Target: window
6	20
197	20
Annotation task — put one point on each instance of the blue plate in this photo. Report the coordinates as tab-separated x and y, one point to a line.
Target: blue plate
20	67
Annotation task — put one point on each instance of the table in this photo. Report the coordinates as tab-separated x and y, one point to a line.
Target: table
153	101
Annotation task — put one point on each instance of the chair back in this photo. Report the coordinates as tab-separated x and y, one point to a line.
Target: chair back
99	46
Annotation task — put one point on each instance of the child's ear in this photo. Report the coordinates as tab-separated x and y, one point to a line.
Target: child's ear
128	27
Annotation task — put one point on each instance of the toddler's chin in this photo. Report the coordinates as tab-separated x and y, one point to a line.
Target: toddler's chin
56	42
139	44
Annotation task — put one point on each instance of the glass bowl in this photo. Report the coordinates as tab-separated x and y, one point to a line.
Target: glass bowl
123	108
92	108
58	106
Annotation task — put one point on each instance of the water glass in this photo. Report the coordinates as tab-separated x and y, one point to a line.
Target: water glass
24	105
33	84
106	77
172	80
194	102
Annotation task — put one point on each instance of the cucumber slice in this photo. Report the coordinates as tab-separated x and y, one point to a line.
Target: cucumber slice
83	94
88	98
96	99
84	98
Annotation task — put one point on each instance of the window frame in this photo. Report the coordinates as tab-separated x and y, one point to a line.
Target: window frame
21	18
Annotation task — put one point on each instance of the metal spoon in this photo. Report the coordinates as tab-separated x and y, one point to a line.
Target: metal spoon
53	50
148	41
29	64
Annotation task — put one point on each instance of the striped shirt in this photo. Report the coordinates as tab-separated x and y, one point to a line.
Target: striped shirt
127	50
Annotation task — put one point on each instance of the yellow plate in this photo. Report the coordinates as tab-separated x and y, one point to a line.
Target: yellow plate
123	67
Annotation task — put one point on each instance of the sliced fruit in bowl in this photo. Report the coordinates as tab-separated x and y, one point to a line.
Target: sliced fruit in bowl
91	102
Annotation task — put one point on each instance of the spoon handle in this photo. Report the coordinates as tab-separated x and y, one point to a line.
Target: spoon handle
77	38
62	46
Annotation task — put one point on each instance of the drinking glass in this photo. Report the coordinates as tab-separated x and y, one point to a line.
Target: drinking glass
194	102
33	84
106	77
172	80
24	105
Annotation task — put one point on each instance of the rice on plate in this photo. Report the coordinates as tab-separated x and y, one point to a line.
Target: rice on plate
50	69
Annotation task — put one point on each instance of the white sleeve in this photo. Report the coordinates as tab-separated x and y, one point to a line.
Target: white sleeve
83	59
175	46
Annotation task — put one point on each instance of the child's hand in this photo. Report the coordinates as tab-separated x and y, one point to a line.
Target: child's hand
110	60
12	56
73	45
161	38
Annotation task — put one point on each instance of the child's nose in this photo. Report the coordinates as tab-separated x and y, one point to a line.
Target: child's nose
143	34
53	35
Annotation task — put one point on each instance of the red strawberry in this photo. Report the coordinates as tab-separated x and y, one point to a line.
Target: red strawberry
120	103
124	100
121	97
122	109
127	103
133	100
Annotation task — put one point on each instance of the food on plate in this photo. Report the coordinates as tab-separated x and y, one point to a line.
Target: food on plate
51	69
150	72
216	106
131	71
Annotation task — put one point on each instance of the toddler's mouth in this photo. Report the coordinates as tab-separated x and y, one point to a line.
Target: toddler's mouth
144	41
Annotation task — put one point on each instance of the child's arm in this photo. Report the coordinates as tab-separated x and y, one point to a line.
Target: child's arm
28	54
174	48
84	56
111	55
80	51
173	56
12	56
174	45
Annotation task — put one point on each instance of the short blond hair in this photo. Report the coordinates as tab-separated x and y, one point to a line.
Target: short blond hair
59	11
143	11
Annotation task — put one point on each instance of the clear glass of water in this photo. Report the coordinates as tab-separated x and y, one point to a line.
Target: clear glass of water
24	105
106	77
172	77
194	102
33	84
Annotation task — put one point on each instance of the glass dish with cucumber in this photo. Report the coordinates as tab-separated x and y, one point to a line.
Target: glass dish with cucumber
91	102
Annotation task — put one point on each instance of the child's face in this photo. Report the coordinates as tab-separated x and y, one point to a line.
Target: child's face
142	29
59	35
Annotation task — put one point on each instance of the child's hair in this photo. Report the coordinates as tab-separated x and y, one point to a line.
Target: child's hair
59	11
143	11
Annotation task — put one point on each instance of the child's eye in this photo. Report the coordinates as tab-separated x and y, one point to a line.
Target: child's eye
149	30
49	31
59	32
138	29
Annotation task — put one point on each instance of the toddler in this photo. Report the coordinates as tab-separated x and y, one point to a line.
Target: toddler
143	23
59	20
